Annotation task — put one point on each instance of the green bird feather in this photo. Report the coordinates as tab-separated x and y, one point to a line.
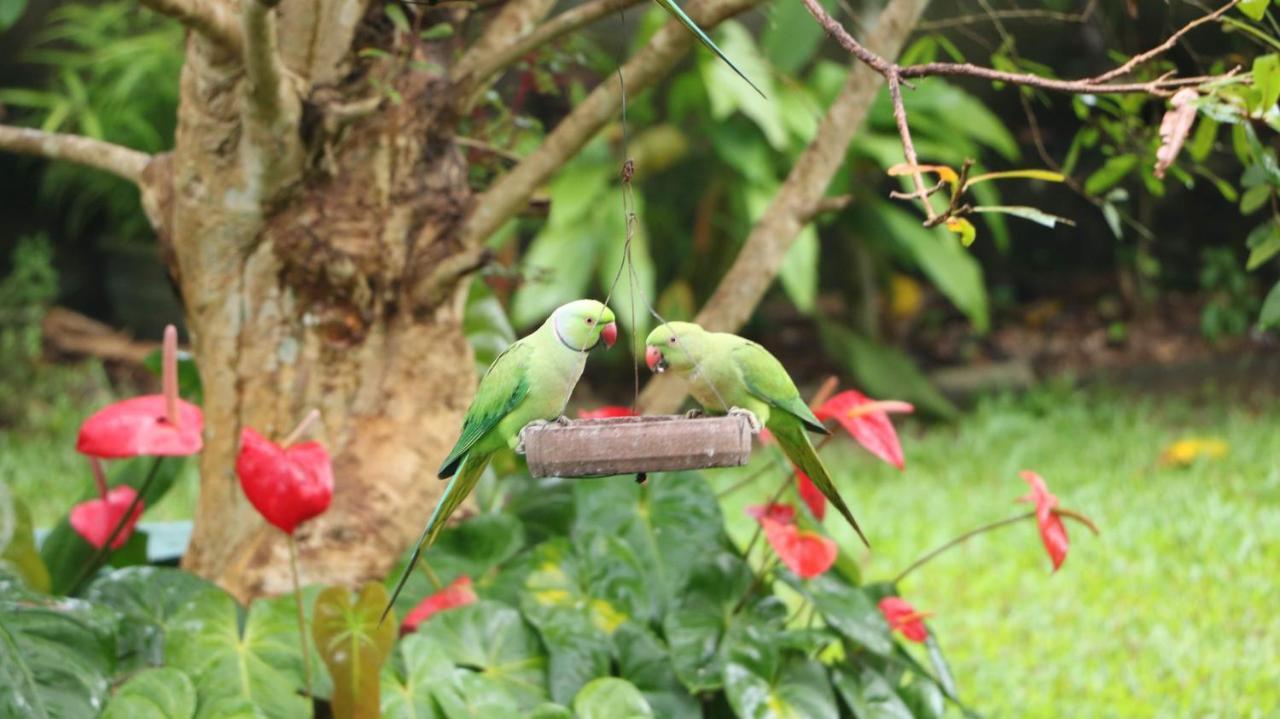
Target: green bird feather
726	371
671	7
530	381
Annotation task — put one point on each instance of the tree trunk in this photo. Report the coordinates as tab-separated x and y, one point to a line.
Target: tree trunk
292	254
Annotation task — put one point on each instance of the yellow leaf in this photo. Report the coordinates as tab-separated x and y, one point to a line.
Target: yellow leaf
1188	450
942	171
964	228
605	617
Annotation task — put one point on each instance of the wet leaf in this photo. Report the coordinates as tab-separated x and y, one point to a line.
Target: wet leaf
147	599
160	693
610	698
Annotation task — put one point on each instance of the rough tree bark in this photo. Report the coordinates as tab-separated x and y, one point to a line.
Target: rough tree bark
320	235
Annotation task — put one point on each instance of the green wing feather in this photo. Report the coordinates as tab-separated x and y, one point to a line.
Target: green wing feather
671	7
503	387
795	444
766	379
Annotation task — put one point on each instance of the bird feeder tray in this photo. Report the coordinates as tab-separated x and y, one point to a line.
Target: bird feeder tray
627	445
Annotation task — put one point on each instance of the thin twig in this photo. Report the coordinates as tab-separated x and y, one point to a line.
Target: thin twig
1132	63
302	620
302	427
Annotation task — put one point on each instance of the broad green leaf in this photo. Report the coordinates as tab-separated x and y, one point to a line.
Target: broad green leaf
848	610
259	664
160	693
353	644
1264	243
868	694
1254	9
964	229
763	682
696	626
501	653
18	553
751	64
550	711
1270	314
612	251
1266	81
10	11
610	698
1254	198
486	325
728	95
416	669
956	273
883	371
642	659
791	37
941	669
57	656
799	271
1045	175
1201	143
66	554
147	599
476	548
951	113
1037	216
1110	174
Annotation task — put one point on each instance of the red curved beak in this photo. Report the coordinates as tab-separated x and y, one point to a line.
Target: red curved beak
652	357
609	333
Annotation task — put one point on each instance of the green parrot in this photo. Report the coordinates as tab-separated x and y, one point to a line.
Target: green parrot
728	374
529	383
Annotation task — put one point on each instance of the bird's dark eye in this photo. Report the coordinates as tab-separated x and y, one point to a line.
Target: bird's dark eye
591	320
673	340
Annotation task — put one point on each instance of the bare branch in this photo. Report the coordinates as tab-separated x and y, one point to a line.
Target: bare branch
510	193
215	19
116	159
562	24
801	193
1134	62
272	107
904	132
515	21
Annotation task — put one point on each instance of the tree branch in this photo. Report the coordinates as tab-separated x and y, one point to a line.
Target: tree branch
215	19
116	159
562	24
762	254
271	107
510	193
516	21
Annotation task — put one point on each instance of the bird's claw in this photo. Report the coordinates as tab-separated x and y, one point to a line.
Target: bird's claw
693	414
752	420
563	421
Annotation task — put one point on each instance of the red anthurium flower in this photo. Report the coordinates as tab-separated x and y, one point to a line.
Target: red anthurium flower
458	594
151	425
809	493
783	513
287	485
902	617
867	421
605	412
805	553
1052	531
96	519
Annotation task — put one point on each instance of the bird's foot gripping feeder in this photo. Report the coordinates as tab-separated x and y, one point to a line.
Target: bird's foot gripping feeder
630	445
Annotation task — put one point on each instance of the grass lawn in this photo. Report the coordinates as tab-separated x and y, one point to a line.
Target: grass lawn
1172	611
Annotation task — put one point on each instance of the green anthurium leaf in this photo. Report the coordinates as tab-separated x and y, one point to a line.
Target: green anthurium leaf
923	697
697	624
486	325
941	669
550	711
884	371
147	599
577	595
18	553
66	553
158	693
764	682
353	643
660	521
57	655
848	610
1034	214
955	272
499	653
610	698
416	670
474	548
259	664
133	553
868	694
792	37
189	387
642	659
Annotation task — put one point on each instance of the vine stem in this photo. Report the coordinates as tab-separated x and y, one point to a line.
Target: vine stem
302	619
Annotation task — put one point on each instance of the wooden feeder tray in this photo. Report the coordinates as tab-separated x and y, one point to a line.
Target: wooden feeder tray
629	445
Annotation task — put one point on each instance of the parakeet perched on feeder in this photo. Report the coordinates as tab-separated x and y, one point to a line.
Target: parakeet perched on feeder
729	374
529	383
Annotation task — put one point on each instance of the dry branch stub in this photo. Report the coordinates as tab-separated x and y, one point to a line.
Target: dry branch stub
627	445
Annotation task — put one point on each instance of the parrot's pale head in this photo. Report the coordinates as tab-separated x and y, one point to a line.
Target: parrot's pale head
668	346
582	324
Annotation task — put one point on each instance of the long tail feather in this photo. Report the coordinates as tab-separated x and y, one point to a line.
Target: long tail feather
454	493
671	7
795	443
